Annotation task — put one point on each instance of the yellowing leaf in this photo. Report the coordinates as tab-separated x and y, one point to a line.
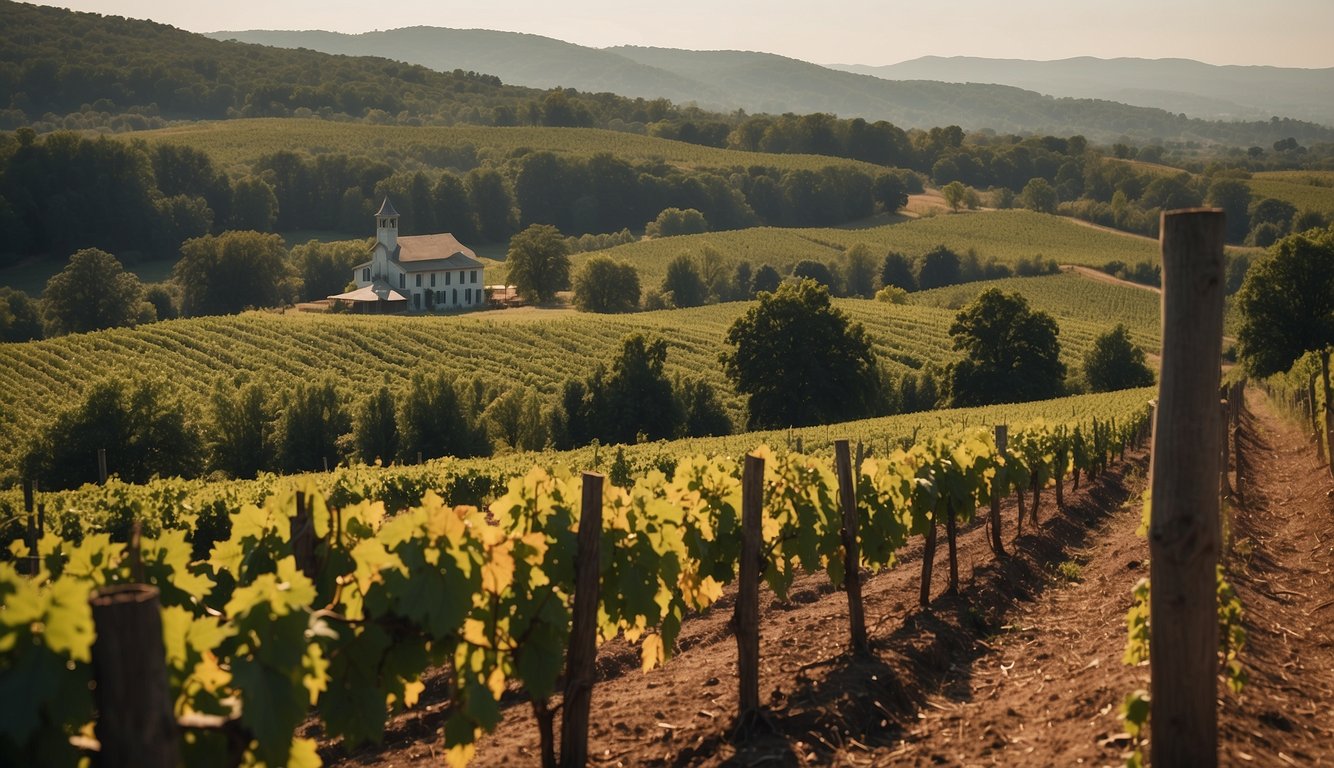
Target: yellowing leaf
411	691
652	652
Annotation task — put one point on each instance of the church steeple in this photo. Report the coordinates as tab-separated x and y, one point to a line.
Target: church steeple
386	227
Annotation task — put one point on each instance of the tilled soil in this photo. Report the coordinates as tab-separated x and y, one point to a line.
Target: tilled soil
1021	667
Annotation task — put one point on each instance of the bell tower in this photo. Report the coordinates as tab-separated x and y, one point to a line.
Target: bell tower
386	228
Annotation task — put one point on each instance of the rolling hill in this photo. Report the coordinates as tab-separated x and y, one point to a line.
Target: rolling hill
1199	90
762	82
533	348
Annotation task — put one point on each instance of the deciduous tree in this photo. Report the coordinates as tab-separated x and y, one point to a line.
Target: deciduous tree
799	361
1011	353
1114	362
605	285
92	292
539	263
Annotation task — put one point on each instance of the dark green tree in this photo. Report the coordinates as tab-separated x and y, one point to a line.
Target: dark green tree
1039	195
376	432
702	412
889	190
309	429
433	422
231	272
539	263
859	271
163	299
326	268
810	269
605	285
799	361
143	429
1287	309
1011	353
1114	362
897	270
636	397
254	205
674	221
92	292
241	431
1234	197
490	199
766	280
20	319
940	267
684	283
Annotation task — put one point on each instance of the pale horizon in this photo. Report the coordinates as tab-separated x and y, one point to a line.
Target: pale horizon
1228	32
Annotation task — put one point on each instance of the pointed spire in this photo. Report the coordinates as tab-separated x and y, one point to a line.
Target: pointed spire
386	208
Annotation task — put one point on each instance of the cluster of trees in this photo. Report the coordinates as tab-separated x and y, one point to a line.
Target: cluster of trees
246	428
217	274
634	402
65	192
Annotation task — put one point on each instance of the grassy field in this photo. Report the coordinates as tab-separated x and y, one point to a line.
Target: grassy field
1006	235
1077	302
237	144
1308	190
532	348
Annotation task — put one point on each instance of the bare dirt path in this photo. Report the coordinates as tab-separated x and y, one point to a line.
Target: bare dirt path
1099	275
1022	667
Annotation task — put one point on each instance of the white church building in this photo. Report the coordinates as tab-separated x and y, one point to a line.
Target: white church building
415	273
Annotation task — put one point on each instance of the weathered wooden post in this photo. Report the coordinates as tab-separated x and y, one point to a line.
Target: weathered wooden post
302	534
1315	423
847	496
1184	537
101	466
581	658
135	725
31	564
1224	486
746	618
998	482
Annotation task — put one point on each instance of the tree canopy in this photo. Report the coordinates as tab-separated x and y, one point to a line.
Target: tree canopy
231	272
799	361
1114	362
606	285
539	263
92	292
1287	303
1011	353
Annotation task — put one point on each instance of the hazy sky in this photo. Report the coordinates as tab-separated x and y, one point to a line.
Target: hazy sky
1293	33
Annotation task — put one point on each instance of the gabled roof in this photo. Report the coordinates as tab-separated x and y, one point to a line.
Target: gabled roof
377	291
423	253
386	208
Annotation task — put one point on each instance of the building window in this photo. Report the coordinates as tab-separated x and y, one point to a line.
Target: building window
456	296
416	300
366	275
473	279
467	296
447	274
402	280
432	279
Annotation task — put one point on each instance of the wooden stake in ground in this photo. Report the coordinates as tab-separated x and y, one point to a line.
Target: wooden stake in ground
581	658
997	483
135	725
1224	485
1184	528
746	619
847	497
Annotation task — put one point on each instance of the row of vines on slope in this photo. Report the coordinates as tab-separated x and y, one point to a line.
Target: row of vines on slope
346	612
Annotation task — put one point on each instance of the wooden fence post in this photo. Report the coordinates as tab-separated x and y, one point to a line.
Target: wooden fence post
581	658
994	516
1184	536
746	619
1315	424
101	466
31	564
302	528
847	496
1224	485
135	725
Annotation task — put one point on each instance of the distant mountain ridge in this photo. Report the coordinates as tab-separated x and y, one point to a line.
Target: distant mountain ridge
1208	91
762	82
